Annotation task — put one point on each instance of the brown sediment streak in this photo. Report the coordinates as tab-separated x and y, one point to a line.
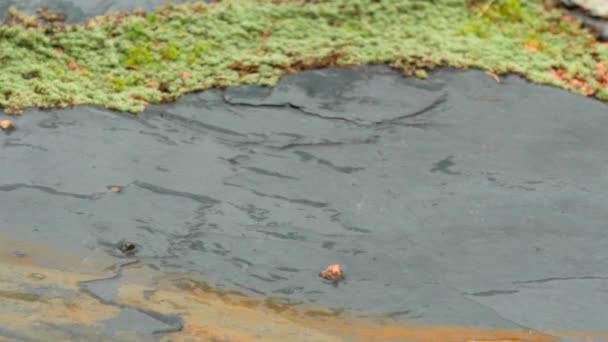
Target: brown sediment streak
96	263
210	314
39	292
37	298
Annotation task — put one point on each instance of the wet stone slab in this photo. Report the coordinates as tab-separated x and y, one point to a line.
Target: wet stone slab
79	10
342	95
454	200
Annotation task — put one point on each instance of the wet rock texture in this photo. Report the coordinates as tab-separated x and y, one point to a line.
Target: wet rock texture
453	200
592	13
78	10
597	8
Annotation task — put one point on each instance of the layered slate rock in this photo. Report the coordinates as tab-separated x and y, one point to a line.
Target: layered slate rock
484	208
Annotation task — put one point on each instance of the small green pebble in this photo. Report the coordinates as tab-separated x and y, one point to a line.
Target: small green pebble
421	74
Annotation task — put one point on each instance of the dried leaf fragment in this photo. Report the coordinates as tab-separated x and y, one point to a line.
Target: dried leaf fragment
582	86
579	84
601	74
72	65
138	98
259	51
7	124
13	110
494	76
51	16
569	19
332	272
533	45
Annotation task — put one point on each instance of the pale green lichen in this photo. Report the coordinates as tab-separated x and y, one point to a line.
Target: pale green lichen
122	61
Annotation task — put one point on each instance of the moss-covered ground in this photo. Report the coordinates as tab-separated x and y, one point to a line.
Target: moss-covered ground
124	61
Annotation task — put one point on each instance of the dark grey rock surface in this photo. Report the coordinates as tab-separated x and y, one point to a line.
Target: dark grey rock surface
597	8
454	200
593	20
79	10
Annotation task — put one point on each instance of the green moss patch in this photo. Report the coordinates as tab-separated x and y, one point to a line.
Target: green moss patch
125	61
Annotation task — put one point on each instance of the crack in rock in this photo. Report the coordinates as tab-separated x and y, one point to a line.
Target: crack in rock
444	166
268	173
205	200
371	140
175	323
15	142
293	145
487	307
304	156
387	122
194	124
48	190
292	106
396	121
521	326
547	280
314	204
490	293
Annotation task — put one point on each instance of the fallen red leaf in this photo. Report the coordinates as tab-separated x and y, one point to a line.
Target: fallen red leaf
601	74
582	86
186	76
560	75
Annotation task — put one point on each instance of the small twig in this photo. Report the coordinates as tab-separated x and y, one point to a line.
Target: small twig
494	76
485	8
260	48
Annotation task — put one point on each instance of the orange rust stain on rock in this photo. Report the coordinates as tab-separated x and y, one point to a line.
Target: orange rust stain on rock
213	314
92	265
200	333
209	313
36	299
